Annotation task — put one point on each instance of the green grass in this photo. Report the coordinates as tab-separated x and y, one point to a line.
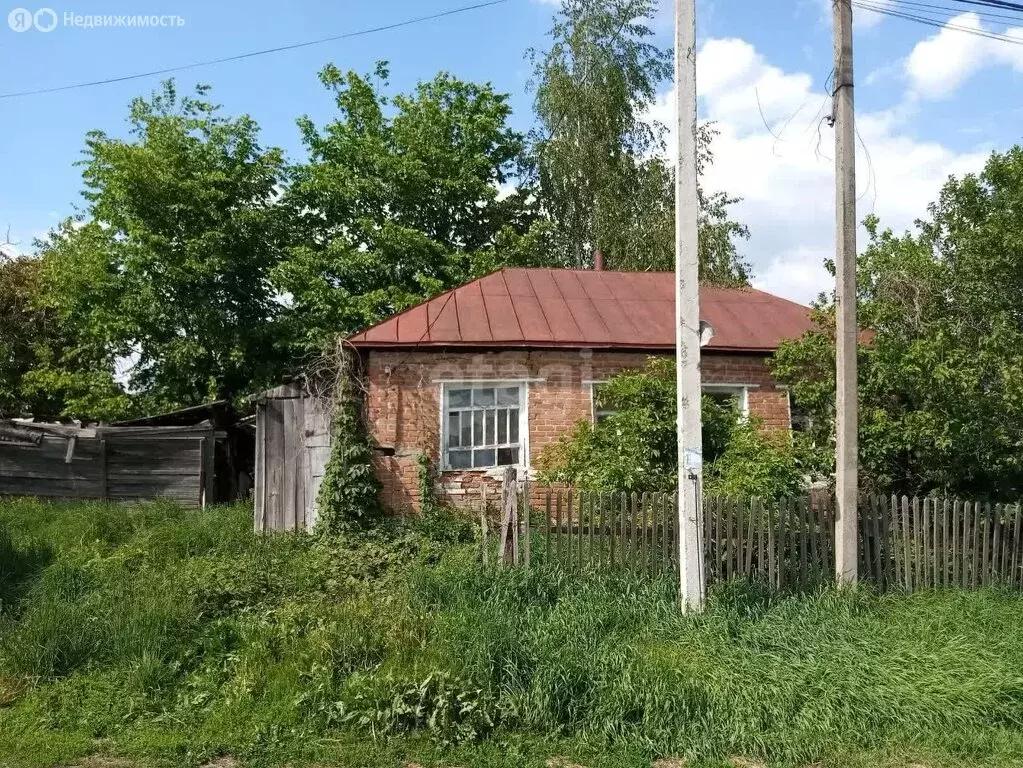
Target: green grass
171	637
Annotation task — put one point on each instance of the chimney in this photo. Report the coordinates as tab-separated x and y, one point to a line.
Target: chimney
598	260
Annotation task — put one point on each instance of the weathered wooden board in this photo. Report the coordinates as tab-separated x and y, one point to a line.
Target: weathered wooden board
292	450
122	463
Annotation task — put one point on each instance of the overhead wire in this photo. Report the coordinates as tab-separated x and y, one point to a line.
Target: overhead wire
253	54
1007	4
937	23
986	15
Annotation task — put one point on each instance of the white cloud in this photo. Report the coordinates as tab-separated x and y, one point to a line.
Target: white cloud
866	18
939	65
787	183
740	89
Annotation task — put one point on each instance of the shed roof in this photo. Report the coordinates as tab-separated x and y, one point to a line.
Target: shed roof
218	410
569	308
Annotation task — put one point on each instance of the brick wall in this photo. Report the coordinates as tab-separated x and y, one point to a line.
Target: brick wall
403	398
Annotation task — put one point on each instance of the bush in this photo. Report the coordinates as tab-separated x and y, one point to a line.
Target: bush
757	463
634	448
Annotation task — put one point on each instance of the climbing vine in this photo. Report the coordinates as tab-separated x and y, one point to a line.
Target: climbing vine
427	491
349	494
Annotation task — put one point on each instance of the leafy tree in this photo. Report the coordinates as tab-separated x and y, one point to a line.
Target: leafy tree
32	335
400	199
634	447
598	163
167	267
941	374
22	323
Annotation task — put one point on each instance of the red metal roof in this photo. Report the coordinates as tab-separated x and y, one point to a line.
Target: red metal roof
543	308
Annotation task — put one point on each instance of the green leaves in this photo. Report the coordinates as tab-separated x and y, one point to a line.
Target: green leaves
940	393
399	200
634	448
348	496
203	266
168	265
597	162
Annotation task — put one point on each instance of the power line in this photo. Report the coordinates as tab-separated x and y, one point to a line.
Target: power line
253	54
987	15
938	23
992	4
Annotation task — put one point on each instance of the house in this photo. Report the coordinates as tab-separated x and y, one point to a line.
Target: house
487	374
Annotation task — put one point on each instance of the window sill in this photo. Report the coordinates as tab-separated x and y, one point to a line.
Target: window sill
495	472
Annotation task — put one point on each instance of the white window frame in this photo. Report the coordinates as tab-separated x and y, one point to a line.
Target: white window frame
593	400
741	390
447	385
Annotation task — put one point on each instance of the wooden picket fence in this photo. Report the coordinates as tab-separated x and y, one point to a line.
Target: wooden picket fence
904	543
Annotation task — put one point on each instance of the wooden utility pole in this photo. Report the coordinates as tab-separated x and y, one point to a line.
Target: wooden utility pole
687	314
846	446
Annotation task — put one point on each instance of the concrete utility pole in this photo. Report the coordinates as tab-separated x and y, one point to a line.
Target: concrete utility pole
687	314
846	447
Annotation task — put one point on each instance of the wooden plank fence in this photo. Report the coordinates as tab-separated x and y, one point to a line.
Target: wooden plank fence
904	543
111	463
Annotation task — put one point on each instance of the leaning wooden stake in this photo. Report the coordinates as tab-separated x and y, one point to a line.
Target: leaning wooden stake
509	517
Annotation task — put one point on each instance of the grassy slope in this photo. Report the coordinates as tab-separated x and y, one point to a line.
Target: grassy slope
175	637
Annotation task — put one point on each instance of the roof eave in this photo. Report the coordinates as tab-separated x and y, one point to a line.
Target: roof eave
511	345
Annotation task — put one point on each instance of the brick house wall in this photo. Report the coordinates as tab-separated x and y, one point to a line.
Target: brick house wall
404	408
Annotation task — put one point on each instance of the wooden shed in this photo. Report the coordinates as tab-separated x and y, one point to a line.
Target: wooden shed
292	451
234	455
107	463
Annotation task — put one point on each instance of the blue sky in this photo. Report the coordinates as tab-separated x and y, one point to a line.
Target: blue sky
931	102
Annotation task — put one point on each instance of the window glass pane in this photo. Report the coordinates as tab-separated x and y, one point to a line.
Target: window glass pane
600	409
453	429
483	396
502	426
513	425
477	428
490	436
466	436
507	456
459	459
724	398
484	458
459	398
508	396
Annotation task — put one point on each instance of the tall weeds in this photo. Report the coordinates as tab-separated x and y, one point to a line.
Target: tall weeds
127	622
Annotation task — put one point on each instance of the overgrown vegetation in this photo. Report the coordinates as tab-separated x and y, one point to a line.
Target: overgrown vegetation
633	448
349	495
152	632
941	373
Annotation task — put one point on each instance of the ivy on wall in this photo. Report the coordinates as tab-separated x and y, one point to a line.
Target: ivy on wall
349	494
